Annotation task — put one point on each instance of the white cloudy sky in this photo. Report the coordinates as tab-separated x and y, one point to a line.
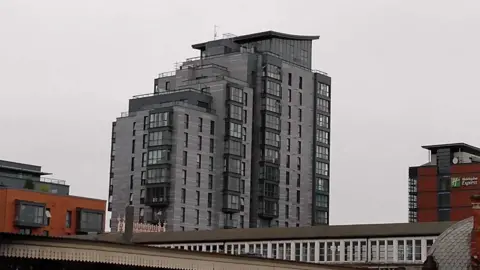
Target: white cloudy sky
404	74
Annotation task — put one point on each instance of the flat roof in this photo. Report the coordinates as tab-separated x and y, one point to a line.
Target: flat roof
21	167
49	193
291	233
261	36
454	146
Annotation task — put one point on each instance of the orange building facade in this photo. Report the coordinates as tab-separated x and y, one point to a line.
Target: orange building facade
441	189
31	212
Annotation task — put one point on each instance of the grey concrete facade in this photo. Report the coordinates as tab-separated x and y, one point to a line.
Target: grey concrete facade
228	85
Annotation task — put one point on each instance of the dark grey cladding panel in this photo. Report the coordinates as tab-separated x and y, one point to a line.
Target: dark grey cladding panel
220	47
413	172
191	97
444	157
19	166
270	59
323	78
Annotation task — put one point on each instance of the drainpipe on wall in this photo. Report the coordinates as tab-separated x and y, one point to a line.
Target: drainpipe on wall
128	233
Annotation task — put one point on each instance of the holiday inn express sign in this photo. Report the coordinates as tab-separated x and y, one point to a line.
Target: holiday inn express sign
464	181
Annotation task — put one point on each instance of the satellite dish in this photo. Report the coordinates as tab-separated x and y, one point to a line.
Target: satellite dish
455	160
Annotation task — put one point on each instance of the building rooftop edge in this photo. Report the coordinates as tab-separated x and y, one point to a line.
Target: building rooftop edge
48	193
463	146
262	35
24	170
290	233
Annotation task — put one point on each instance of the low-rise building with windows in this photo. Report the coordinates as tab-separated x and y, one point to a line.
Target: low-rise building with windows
42	213
380	246
27	176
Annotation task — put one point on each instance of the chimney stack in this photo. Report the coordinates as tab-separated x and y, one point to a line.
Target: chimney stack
128	233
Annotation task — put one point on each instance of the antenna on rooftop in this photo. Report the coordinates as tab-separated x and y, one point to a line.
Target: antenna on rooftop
215	34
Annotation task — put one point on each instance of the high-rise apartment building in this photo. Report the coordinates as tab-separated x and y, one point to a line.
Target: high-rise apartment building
237	137
440	190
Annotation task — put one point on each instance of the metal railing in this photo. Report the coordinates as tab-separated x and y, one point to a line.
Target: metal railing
183	104
179	65
190	62
34	179
52	181
203	91
295	64
166	74
320	72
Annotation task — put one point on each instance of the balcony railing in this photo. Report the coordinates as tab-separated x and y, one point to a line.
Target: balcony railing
158	180
53	181
164	92
169	104
297	65
140	227
166	74
34	179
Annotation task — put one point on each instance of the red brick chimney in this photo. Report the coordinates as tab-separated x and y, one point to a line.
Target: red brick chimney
475	240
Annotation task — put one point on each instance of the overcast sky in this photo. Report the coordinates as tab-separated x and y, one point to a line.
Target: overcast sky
405	74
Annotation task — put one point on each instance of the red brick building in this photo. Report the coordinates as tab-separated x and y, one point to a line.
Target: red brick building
41	213
440	190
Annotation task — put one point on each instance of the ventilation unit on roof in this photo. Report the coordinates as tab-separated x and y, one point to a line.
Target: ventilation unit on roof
475	159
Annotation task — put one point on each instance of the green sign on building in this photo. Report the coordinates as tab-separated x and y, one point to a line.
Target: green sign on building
455	182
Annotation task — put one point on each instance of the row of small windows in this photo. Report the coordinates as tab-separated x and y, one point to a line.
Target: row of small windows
323	89
272	139
271	121
272	71
158	157
186	122
159	138
323	120
321	168
198	161
322	136
300	114
412	185
162	119
234	165
321	200
381	250
235	148
272	105
235	112
199	142
300	97
323	105
271	155
273	88
322	152
237	131
322	184
237	94
159	119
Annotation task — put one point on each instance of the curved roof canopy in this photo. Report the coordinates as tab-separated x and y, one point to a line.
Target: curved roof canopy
261	36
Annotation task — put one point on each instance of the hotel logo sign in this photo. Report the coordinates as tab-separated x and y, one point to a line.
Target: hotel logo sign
457	182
